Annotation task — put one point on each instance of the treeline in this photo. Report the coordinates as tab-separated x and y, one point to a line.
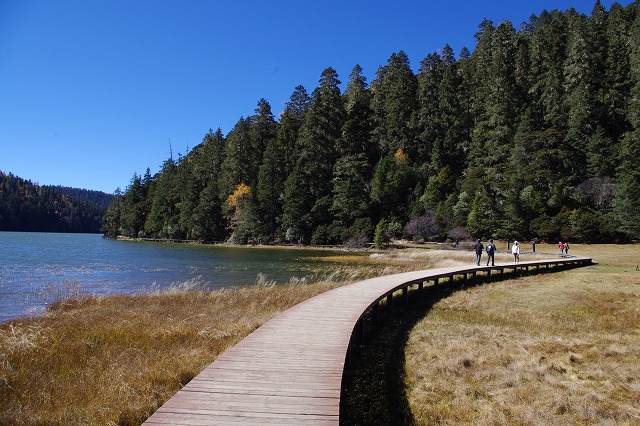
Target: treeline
536	134
28	207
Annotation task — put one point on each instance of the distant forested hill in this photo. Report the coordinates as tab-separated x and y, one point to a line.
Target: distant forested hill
25	206
99	198
533	135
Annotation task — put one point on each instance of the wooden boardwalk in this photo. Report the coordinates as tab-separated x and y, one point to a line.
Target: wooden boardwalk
289	371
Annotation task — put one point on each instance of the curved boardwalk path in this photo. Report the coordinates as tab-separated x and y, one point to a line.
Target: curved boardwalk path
289	371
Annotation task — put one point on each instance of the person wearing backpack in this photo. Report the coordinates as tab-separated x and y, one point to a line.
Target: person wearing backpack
491	253
478	247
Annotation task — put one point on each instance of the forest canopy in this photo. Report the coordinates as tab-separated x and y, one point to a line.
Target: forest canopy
533	135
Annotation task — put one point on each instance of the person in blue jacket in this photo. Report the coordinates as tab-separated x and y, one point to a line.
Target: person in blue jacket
491	253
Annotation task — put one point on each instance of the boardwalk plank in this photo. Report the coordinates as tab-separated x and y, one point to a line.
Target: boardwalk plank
200	399
233	418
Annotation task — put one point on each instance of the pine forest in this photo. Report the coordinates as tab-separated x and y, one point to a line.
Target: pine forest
533	135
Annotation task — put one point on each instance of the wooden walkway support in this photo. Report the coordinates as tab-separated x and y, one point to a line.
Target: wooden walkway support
289	371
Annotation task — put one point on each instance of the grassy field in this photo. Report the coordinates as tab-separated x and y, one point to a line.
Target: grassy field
561	348
114	360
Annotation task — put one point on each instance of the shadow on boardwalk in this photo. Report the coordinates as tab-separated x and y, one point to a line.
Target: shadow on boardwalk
373	388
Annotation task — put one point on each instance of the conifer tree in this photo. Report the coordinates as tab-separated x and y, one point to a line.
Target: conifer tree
429	78
481	86
263	132
627	203
522	67
481	60
355	137
270	188
617	71
296	224
163	220
388	188
309	185
395	105
132	216
277	164
453	129
290	123
633	113
263	136
598	43
207	221
355	151
578	83
192	182
112	221
548	51
237	167
395	111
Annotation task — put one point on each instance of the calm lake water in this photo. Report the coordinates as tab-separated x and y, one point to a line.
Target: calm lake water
36	268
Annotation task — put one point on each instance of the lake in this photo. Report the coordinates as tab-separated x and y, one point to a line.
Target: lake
37	268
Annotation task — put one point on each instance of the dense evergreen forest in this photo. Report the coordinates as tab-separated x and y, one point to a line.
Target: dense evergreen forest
25	206
98	198
533	135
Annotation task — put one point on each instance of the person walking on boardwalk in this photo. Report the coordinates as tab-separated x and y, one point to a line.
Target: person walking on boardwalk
491	253
516	252
566	247
478	248
561	246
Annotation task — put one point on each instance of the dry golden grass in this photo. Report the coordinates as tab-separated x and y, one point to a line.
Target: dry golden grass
561	348
114	360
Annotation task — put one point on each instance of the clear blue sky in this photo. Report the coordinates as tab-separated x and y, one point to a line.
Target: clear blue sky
93	91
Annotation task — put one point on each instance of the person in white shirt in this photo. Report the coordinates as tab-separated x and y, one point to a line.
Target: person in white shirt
516	251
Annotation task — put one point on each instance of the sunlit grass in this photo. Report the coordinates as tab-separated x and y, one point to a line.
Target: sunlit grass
560	348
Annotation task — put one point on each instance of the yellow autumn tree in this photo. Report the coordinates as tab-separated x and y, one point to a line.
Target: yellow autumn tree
400	157
239	196
236	202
